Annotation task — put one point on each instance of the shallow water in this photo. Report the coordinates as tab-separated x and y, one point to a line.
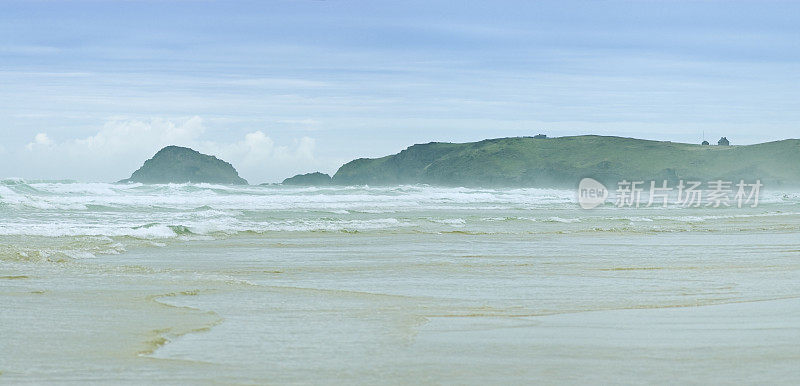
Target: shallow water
265	284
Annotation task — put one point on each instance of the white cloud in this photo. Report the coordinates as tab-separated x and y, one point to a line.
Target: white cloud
39	140
125	136
121	146
258	157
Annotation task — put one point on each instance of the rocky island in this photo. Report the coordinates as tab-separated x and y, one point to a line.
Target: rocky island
175	164
308	179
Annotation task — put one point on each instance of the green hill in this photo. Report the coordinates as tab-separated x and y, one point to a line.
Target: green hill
174	164
562	162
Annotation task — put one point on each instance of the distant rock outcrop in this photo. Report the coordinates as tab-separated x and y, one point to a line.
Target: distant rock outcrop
174	164
308	179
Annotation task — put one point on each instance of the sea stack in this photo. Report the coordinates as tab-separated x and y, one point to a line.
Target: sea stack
308	179
175	164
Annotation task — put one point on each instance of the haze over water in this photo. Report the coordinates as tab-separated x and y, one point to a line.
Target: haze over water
264	284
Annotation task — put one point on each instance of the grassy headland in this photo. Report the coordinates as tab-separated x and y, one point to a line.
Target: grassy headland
562	162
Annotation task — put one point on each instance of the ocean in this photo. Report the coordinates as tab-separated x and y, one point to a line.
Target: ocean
209	284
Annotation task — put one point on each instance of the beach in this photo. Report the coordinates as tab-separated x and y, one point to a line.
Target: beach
198	283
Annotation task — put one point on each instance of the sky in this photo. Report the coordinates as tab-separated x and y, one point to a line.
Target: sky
91	89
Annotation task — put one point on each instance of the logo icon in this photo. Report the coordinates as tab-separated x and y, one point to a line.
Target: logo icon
591	193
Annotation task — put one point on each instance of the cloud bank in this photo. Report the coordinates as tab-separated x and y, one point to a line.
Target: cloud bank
121	146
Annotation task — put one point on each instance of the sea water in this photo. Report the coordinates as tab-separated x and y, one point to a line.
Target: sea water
199	283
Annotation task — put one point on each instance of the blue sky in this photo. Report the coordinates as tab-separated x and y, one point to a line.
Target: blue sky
89	89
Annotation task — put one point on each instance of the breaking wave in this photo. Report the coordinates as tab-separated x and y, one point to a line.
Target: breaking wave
155	213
